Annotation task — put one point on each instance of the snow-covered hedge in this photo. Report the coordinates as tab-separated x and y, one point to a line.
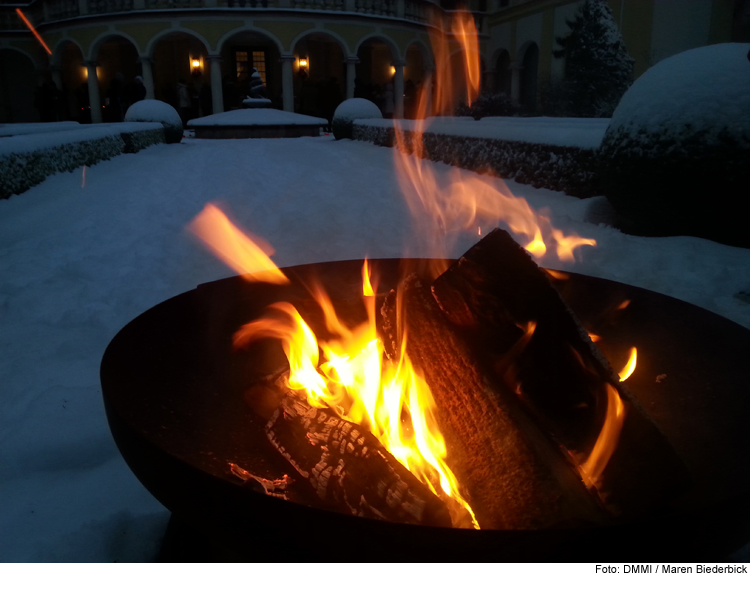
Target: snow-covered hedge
348	111
24	164
676	155
26	160
572	169
138	136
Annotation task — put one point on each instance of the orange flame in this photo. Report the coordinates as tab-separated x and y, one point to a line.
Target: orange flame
592	469
235	248
347	373
629	368
442	209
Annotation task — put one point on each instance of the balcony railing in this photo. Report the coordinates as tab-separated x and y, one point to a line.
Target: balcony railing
48	11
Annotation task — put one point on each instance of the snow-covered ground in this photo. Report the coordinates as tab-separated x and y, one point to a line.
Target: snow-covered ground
82	255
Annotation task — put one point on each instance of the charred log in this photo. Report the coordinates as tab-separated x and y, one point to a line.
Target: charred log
348	467
514	476
491	296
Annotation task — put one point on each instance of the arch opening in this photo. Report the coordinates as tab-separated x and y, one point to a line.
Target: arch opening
415	75
181	72
18	88
503	73
319	75
529	74
375	74
117	67
242	52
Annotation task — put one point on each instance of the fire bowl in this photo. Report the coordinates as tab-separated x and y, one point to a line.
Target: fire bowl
173	394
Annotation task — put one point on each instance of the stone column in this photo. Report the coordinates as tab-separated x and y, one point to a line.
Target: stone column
515	82
490	77
95	101
428	89
287	81
147	75
398	89
217	92
56	73
351	73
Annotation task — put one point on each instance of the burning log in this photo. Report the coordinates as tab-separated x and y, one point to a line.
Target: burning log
500	310
347	466
514	476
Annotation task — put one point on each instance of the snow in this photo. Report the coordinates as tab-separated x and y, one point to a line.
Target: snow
79	260
32	141
357	108
153	110
10	129
23	144
555	131
255	103
705	89
252	117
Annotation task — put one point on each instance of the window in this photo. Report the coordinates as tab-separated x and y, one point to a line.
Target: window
247	59
243	71
259	62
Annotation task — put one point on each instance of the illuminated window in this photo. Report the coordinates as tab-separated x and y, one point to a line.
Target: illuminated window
243	70
259	62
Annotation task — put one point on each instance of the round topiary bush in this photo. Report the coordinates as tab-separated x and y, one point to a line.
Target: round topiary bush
676	155
159	112
348	111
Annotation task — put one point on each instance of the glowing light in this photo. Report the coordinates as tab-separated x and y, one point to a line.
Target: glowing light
303	62
33	30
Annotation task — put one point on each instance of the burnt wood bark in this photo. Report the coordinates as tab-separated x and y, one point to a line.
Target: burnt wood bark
514	476
489	296
348	467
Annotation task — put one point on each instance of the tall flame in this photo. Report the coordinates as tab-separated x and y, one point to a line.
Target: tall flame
347	373
441	210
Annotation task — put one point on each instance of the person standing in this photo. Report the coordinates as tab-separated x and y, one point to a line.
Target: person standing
183	101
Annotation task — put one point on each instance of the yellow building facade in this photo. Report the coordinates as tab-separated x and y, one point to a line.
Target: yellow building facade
311	53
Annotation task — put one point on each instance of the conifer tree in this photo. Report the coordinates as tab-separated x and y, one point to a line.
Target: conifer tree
598	69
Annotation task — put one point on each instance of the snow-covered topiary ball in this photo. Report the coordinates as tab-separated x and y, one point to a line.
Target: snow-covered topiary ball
159	112
348	111
676	155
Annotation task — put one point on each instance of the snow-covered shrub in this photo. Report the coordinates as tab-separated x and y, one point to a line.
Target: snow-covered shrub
160	112
598	69
488	105
676	155
28	160
348	111
570	169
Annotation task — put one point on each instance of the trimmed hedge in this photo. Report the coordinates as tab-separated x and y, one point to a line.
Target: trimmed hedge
570	169
137	140
28	160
